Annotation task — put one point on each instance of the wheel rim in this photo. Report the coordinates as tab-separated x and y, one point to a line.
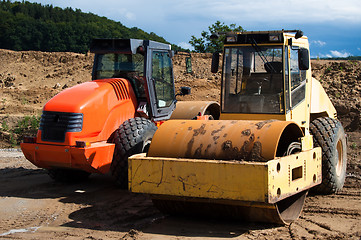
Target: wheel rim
340	159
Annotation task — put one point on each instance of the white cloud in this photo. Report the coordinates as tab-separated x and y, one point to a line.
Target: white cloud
335	53
283	12
185	45
339	54
325	55
318	43
359	49
130	16
120	14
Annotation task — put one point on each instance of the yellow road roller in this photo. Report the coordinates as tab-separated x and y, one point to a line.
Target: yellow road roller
276	138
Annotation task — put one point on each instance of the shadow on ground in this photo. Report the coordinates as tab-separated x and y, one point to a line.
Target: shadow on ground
108	208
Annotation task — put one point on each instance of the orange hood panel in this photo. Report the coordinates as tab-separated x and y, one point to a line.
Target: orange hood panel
105	105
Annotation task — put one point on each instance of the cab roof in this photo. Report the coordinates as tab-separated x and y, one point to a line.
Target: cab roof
129	46
261	37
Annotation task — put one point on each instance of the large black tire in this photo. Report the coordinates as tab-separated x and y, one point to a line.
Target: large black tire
329	134
67	175
132	137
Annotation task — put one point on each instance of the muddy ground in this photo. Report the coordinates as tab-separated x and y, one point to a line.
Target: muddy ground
34	207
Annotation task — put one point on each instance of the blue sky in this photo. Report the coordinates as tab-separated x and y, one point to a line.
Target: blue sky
333	26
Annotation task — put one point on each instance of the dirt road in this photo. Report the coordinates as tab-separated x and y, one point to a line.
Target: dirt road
35	207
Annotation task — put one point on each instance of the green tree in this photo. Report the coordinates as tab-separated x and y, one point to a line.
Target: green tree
32	26
206	44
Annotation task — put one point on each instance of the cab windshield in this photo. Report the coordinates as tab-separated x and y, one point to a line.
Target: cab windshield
253	80
113	65
129	66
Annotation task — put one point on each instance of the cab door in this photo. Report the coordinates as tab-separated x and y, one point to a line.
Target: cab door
298	86
160	83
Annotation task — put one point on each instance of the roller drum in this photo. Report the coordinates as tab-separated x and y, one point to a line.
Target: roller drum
283	212
224	140
192	109
239	140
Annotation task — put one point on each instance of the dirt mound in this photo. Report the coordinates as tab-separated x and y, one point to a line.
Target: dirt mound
28	79
205	85
342	82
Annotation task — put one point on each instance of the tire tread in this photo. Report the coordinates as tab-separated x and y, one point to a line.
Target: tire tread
324	131
127	139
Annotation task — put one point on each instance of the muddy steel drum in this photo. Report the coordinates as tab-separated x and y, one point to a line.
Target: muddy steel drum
254	141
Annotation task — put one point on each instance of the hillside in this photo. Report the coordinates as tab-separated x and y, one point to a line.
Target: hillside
32	26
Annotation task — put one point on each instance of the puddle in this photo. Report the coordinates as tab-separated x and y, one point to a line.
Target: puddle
23	230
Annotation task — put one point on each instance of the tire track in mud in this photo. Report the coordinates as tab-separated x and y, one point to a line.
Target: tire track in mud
333	216
324	231
337	211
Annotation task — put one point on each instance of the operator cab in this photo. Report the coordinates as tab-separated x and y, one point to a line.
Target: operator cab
253	81
264	76
146	64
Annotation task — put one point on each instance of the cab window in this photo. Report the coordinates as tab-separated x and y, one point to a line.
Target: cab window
253	80
162	76
298	80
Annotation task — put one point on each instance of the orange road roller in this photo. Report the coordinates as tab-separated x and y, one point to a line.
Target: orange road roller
276	138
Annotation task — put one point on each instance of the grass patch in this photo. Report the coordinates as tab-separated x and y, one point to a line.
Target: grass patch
26	126
5	126
353	146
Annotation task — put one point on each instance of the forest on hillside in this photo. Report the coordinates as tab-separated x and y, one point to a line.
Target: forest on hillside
32	26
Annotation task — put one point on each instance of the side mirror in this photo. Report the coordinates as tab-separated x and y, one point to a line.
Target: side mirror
184	91
298	34
215	62
303	59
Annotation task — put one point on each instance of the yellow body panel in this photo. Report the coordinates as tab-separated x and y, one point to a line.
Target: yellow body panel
300	114
267	182
307	142
320	102
242	116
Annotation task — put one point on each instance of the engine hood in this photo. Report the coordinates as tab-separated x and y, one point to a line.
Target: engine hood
76	98
103	104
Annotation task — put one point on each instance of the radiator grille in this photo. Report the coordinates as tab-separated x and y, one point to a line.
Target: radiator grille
120	89
54	125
